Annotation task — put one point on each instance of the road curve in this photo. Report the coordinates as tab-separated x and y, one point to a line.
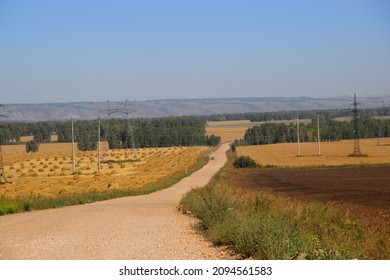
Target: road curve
138	227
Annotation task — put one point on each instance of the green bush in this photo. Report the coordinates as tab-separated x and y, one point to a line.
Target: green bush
244	162
213	140
233	147
32	146
8	207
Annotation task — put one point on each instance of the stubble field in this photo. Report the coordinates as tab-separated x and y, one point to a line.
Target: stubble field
332	153
48	173
232	130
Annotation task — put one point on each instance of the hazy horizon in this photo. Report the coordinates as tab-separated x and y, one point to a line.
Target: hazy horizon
379	97
91	51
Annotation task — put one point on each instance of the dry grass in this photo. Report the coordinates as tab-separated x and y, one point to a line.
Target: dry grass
53	138
232	130
332	153
42	175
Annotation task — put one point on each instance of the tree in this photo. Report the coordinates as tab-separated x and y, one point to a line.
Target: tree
42	132
86	136
32	146
213	140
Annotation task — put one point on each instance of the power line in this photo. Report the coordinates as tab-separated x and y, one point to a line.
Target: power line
126	111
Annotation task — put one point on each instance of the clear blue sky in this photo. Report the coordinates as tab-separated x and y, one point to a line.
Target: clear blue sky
64	51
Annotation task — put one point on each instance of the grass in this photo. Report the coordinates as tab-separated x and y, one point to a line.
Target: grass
357	155
262	225
23	205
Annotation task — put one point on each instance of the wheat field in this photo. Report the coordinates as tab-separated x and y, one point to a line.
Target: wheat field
48	173
232	130
332	153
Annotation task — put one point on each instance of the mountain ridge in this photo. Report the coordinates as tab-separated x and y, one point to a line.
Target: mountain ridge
181	107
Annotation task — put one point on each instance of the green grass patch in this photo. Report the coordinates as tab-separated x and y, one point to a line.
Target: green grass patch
263	225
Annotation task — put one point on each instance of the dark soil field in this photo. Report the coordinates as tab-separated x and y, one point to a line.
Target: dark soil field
364	191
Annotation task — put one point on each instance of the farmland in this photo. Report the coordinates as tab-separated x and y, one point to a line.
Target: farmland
48	173
332	153
295	207
232	130
326	213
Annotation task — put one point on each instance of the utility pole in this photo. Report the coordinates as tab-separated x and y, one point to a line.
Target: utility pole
73	157
298	147
99	163
318	135
2	174
356	142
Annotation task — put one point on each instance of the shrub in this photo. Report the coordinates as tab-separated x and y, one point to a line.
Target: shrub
233	146
244	162
213	140
32	146
8	207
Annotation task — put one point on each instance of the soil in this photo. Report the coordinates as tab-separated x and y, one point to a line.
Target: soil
364	191
138	227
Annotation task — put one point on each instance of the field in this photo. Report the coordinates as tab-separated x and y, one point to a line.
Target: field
332	153
363	186
232	130
276	213
48	173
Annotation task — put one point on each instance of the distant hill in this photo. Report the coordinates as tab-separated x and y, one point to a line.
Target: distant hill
181	107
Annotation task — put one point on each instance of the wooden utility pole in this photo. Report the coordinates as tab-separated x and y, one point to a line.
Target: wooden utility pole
318	135
99	163
298	147
2	174
73	157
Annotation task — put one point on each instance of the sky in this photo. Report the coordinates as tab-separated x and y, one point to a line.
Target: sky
70	51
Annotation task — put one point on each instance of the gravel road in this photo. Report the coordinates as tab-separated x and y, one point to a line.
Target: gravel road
139	227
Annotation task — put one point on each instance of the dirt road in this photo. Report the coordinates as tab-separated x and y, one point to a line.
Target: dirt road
139	227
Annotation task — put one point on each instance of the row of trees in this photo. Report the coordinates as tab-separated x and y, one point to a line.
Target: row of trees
303	114
120	133
330	130
11	132
161	132
187	131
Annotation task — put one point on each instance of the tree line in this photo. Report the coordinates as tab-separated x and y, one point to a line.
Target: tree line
120	133
190	130
330	130
158	132
328	114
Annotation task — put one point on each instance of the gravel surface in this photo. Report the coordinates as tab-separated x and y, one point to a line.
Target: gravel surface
139	227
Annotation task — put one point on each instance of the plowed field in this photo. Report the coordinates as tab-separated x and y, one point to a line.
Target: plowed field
364	190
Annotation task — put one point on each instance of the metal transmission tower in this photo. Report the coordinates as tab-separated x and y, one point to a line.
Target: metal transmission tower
126	111
2	174
356	142
380	132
